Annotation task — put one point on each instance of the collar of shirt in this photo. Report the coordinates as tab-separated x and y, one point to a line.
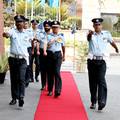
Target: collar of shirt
54	34
36	30
101	33
23	31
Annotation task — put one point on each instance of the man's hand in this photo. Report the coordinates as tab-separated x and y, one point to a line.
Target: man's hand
6	35
51	42
89	35
32	51
38	52
116	50
115	47
63	58
45	53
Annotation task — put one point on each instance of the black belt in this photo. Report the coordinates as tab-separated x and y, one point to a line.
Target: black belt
16	56
53	52
41	49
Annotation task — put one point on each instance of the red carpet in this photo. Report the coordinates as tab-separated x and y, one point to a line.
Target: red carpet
67	107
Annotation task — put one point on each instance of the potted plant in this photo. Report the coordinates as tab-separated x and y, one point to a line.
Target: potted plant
81	59
3	67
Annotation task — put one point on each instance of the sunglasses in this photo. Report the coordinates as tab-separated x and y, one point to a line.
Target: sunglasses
47	27
55	27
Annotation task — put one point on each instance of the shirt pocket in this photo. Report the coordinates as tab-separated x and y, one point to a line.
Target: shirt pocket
26	39
14	38
105	39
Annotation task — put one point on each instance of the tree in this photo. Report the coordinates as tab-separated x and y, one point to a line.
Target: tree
64	11
67	1
117	25
50	13
21	6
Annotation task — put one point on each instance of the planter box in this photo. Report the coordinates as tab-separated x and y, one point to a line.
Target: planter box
80	66
2	77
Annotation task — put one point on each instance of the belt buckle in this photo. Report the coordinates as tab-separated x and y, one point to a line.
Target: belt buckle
101	57
94	57
16	56
97	57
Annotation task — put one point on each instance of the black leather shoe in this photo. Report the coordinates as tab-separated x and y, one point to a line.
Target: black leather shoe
36	78
31	80
93	106
57	94
42	88
21	103
49	94
26	85
101	106
13	102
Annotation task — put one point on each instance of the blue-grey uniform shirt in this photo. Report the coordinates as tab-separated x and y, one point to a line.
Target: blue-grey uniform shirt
29	32
19	41
98	43
38	34
42	39
33	34
59	42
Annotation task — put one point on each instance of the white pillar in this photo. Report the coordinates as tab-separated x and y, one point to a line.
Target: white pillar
26	8
32	9
90	10
15	6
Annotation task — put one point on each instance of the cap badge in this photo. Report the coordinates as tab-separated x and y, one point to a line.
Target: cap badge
55	22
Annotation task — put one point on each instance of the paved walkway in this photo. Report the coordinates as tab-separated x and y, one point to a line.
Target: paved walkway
111	112
13	112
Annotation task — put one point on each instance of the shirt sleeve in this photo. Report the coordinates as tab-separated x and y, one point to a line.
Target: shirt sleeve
49	37
10	32
42	37
63	39
110	39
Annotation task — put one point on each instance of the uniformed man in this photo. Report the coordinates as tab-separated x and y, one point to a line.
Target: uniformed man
34	51
28	70
43	58
26	23
18	60
98	40
54	58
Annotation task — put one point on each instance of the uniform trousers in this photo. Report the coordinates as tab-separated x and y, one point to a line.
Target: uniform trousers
37	64
43	68
29	72
97	81
17	76
54	61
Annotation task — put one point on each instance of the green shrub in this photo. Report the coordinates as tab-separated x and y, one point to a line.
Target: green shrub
3	63
77	20
82	51
115	34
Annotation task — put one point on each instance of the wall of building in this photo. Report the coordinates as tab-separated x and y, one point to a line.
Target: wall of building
90	10
79	8
1	27
110	6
